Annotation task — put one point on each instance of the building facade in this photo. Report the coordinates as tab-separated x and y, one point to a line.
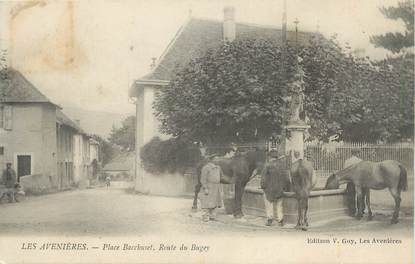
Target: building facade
36	137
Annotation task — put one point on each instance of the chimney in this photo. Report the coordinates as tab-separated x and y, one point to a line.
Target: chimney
229	31
153	63
78	122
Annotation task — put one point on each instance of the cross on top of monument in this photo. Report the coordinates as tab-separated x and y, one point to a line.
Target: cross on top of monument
296	22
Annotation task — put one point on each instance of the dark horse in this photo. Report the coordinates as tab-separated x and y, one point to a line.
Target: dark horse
303	180
367	175
236	170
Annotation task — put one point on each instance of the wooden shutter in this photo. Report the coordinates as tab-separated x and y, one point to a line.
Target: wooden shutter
8	117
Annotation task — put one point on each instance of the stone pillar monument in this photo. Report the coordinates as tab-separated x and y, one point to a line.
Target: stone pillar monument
296	126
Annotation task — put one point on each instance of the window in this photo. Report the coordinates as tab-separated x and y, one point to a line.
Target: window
6	112
24	165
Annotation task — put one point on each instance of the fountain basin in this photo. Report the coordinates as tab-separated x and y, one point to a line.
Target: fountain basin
322	204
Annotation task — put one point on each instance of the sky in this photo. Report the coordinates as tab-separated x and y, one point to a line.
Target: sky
87	53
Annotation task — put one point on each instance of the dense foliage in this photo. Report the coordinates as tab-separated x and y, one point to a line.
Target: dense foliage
125	135
397	41
168	156
238	93
106	150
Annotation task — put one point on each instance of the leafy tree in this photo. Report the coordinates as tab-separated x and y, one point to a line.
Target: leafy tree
396	41
125	135
231	94
106	149
398	115
238	92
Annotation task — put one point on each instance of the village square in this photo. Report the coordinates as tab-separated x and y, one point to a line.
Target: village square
220	123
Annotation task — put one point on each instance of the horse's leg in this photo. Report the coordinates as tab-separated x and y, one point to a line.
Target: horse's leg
360	202
369	209
363	200
397	196
299	213
239	191
197	190
305	212
351	198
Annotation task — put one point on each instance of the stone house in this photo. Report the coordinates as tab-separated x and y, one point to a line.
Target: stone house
35	135
193	40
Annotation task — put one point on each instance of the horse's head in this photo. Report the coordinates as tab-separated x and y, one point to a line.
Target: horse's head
332	182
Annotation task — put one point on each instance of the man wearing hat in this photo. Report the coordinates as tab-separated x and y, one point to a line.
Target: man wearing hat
9	180
350	189
211	194
274	181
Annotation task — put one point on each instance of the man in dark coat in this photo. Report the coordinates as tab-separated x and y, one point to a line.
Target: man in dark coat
9	180
274	182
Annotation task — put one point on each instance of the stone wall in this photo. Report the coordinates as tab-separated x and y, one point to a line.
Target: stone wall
37	184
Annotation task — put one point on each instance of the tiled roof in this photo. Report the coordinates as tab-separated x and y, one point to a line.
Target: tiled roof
63	119
197	36
15	88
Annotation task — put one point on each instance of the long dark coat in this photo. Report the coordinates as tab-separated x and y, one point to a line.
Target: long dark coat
210	180
274	179
9	178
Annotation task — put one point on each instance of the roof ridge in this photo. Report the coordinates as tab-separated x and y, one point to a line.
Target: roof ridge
208	31
171	43
248	24
31	85
20	81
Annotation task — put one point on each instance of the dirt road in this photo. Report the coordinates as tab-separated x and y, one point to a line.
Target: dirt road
103	211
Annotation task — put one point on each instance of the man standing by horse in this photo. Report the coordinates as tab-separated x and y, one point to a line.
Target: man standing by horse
211	194
274	181
350	189
9	180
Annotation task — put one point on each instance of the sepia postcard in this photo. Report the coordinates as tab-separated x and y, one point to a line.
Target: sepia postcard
221	131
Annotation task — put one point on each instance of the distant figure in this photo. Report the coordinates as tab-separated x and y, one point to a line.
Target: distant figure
108	181
9	180
211	195
274	181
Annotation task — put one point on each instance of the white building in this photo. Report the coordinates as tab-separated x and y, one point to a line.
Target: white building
81	159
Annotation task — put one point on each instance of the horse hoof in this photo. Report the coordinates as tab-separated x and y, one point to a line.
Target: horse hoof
238	216
370	218
304	228
297	227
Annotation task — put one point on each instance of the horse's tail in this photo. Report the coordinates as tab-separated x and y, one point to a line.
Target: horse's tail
403	179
